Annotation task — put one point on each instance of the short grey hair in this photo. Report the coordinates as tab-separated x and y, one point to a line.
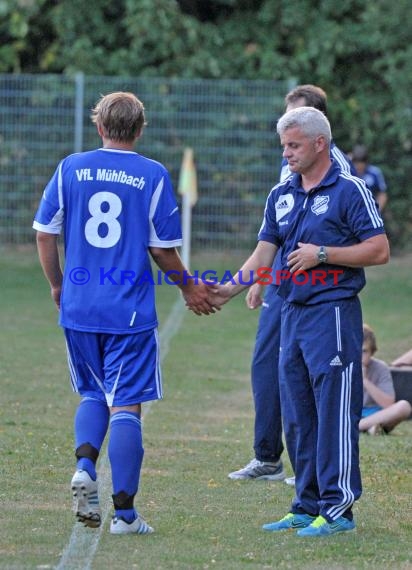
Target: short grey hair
310	121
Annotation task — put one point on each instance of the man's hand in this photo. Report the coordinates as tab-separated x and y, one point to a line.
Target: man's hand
198	299
219	295
254	296
303	258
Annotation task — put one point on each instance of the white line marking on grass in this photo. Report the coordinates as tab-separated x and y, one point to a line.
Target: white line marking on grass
82	546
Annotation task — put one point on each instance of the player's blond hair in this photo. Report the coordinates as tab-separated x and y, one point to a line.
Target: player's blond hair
120	115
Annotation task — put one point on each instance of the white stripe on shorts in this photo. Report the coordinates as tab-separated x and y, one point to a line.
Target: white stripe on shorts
345	447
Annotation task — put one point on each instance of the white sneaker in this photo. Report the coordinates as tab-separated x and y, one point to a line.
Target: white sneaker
256	469
85	499
138	526
290	481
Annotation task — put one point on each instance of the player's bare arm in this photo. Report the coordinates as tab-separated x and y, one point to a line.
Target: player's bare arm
50	262
195	292
262	256
372	251
403	360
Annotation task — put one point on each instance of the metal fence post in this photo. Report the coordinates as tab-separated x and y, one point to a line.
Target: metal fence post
78	111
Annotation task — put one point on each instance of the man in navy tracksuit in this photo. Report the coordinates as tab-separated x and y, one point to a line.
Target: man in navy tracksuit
268	445
327	227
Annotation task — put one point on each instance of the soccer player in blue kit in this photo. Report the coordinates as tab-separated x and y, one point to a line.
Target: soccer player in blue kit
327	227
115	207
268	444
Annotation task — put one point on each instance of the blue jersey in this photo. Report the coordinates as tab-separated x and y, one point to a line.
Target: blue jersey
112	205
339	212
374	179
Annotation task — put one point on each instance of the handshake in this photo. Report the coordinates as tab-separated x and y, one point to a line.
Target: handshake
205	298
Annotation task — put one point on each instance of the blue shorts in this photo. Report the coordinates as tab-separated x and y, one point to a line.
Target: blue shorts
122	370
369	411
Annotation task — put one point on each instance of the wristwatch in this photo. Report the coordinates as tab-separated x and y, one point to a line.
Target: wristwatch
322	255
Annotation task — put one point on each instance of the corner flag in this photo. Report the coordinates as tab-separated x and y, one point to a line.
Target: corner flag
188	178
187	187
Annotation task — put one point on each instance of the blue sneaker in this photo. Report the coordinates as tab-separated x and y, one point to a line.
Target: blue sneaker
321	527
291	521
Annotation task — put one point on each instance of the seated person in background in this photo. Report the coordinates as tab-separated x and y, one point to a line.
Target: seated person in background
380	412
371	174
403	360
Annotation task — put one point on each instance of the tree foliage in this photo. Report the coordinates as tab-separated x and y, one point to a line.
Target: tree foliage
360	51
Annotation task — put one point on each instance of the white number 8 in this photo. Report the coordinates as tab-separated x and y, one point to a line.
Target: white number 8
109	218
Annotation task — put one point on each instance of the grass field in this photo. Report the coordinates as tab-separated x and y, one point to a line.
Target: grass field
193	438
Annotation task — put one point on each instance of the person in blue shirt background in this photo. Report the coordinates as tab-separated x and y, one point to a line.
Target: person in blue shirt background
371	174
327	227
268	444
116	209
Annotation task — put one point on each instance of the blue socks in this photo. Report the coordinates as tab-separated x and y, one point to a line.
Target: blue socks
125	449
90	427
125	452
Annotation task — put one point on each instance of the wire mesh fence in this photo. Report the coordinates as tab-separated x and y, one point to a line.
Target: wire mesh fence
230	124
